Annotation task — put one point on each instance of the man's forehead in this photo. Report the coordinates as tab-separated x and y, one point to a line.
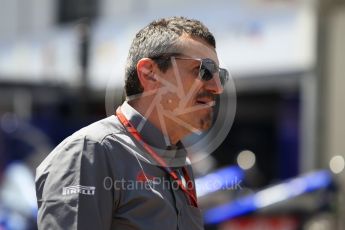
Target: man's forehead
197	48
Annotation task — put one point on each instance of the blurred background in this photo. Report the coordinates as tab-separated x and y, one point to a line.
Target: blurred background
281	165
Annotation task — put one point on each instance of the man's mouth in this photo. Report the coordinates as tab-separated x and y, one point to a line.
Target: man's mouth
205	102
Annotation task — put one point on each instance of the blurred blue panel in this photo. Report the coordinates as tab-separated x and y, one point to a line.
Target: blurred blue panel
223	179
272	195
231	210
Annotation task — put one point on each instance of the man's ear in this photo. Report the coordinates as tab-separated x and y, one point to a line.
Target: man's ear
145	71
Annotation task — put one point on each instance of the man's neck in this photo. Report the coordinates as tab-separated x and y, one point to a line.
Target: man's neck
167	127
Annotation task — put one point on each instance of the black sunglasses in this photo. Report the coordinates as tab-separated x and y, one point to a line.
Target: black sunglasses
207	70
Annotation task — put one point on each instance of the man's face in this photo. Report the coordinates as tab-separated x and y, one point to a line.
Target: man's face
186	100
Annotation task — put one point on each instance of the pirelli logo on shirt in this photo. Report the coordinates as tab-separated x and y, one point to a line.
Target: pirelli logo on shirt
86	190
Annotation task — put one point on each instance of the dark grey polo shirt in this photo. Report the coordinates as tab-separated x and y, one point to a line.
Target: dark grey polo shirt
101	178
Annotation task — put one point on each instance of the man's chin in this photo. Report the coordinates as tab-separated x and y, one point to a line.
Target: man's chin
205	124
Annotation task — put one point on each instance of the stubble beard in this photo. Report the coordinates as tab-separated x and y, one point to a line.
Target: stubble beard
206	122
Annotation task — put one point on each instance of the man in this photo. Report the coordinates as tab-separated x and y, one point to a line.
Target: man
130	170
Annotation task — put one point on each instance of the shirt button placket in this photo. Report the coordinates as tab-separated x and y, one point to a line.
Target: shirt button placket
179	219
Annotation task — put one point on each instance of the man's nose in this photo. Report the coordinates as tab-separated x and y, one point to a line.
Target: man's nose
214	85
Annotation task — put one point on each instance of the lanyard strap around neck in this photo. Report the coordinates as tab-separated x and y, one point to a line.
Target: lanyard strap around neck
189	190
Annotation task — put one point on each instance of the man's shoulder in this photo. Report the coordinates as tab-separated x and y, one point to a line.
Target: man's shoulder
94	135
99	130
86	143
91	137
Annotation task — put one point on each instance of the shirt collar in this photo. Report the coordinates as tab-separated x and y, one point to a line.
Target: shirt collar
173	154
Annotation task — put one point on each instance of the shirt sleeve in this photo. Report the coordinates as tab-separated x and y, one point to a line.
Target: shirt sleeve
73	187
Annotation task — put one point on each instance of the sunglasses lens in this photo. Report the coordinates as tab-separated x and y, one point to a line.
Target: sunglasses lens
205	74
207	69
223	76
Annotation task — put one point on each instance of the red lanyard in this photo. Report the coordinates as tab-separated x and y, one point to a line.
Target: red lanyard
189	189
